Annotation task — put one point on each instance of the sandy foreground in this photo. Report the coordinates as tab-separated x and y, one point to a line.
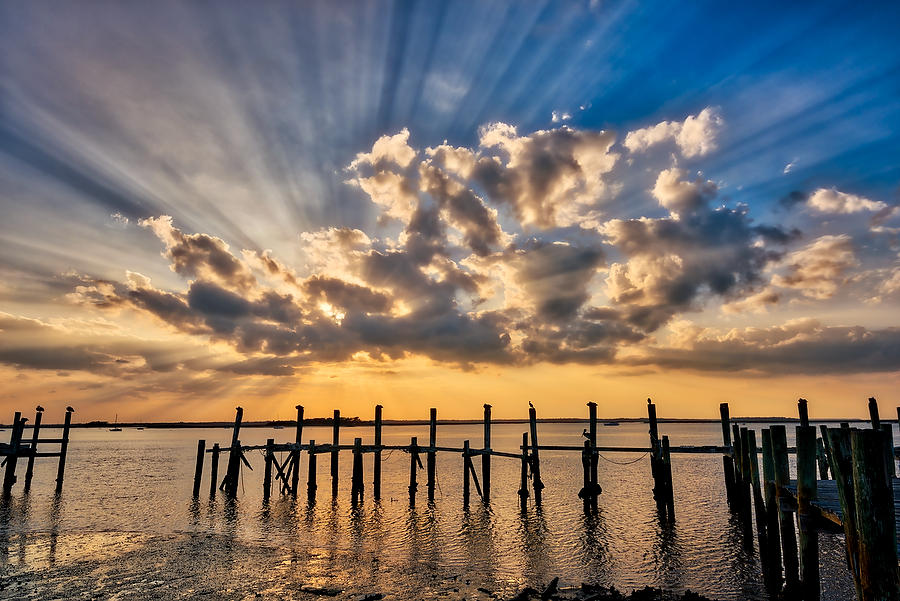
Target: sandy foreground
121	565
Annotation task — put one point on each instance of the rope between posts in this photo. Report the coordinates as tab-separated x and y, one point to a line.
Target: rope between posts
622	462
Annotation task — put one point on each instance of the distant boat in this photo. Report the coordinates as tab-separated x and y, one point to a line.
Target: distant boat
116	427
140	427
278	427
610	423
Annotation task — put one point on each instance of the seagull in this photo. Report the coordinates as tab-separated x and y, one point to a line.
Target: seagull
39	408
585	434
530	405
70	410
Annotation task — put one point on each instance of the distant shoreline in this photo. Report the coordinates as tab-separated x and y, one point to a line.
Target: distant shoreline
351	422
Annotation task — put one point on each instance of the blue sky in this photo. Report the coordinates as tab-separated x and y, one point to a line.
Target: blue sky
245	124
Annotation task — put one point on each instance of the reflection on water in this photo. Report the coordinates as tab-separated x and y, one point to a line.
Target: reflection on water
130	491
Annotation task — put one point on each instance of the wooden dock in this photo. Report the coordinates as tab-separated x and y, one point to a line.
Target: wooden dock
757	479
829	504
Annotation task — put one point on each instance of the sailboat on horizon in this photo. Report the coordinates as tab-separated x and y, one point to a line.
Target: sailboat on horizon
116	427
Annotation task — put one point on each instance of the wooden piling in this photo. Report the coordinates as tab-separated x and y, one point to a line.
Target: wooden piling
786	513
667	475
585	492
311	485
335	453
803	411
376	464
655	460
233	471
727	460
822	459
214	470
198	469
873	414
593	482
15	439
466	470
841	456
523	481
806	496
773	538
295	455
890	464
758	506
875	518
431	459
746	482
356	480
267	473
486	457
536	484
413	460
29	470
63	450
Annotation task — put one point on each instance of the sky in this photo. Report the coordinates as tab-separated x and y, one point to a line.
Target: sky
422	204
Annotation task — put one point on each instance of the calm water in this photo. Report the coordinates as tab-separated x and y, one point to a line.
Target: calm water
132	486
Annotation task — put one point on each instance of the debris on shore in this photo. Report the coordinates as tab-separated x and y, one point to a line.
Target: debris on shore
589	592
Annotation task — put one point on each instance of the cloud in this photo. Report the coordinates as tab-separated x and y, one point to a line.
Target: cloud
199	255
818	269
671	263
803	346
695	136
831	200
546	177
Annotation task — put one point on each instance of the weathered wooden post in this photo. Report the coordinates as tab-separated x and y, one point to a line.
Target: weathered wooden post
841	456
536	484
311	485
232	474
585	492
466	461
786	522
431	459
875	520
727	459
758	505
198	469
376	464
803	411
523	482
413	460
592	438
658	486
667	476
888	439
15	438
335	451
356	480
821	458
29	471
267	473
63	449
295	455
486	456
746	490
214	471
773	539
806	495
873	414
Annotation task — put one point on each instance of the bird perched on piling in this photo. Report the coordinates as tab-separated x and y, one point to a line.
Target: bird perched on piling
38	408
530	404
70	410
585	434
